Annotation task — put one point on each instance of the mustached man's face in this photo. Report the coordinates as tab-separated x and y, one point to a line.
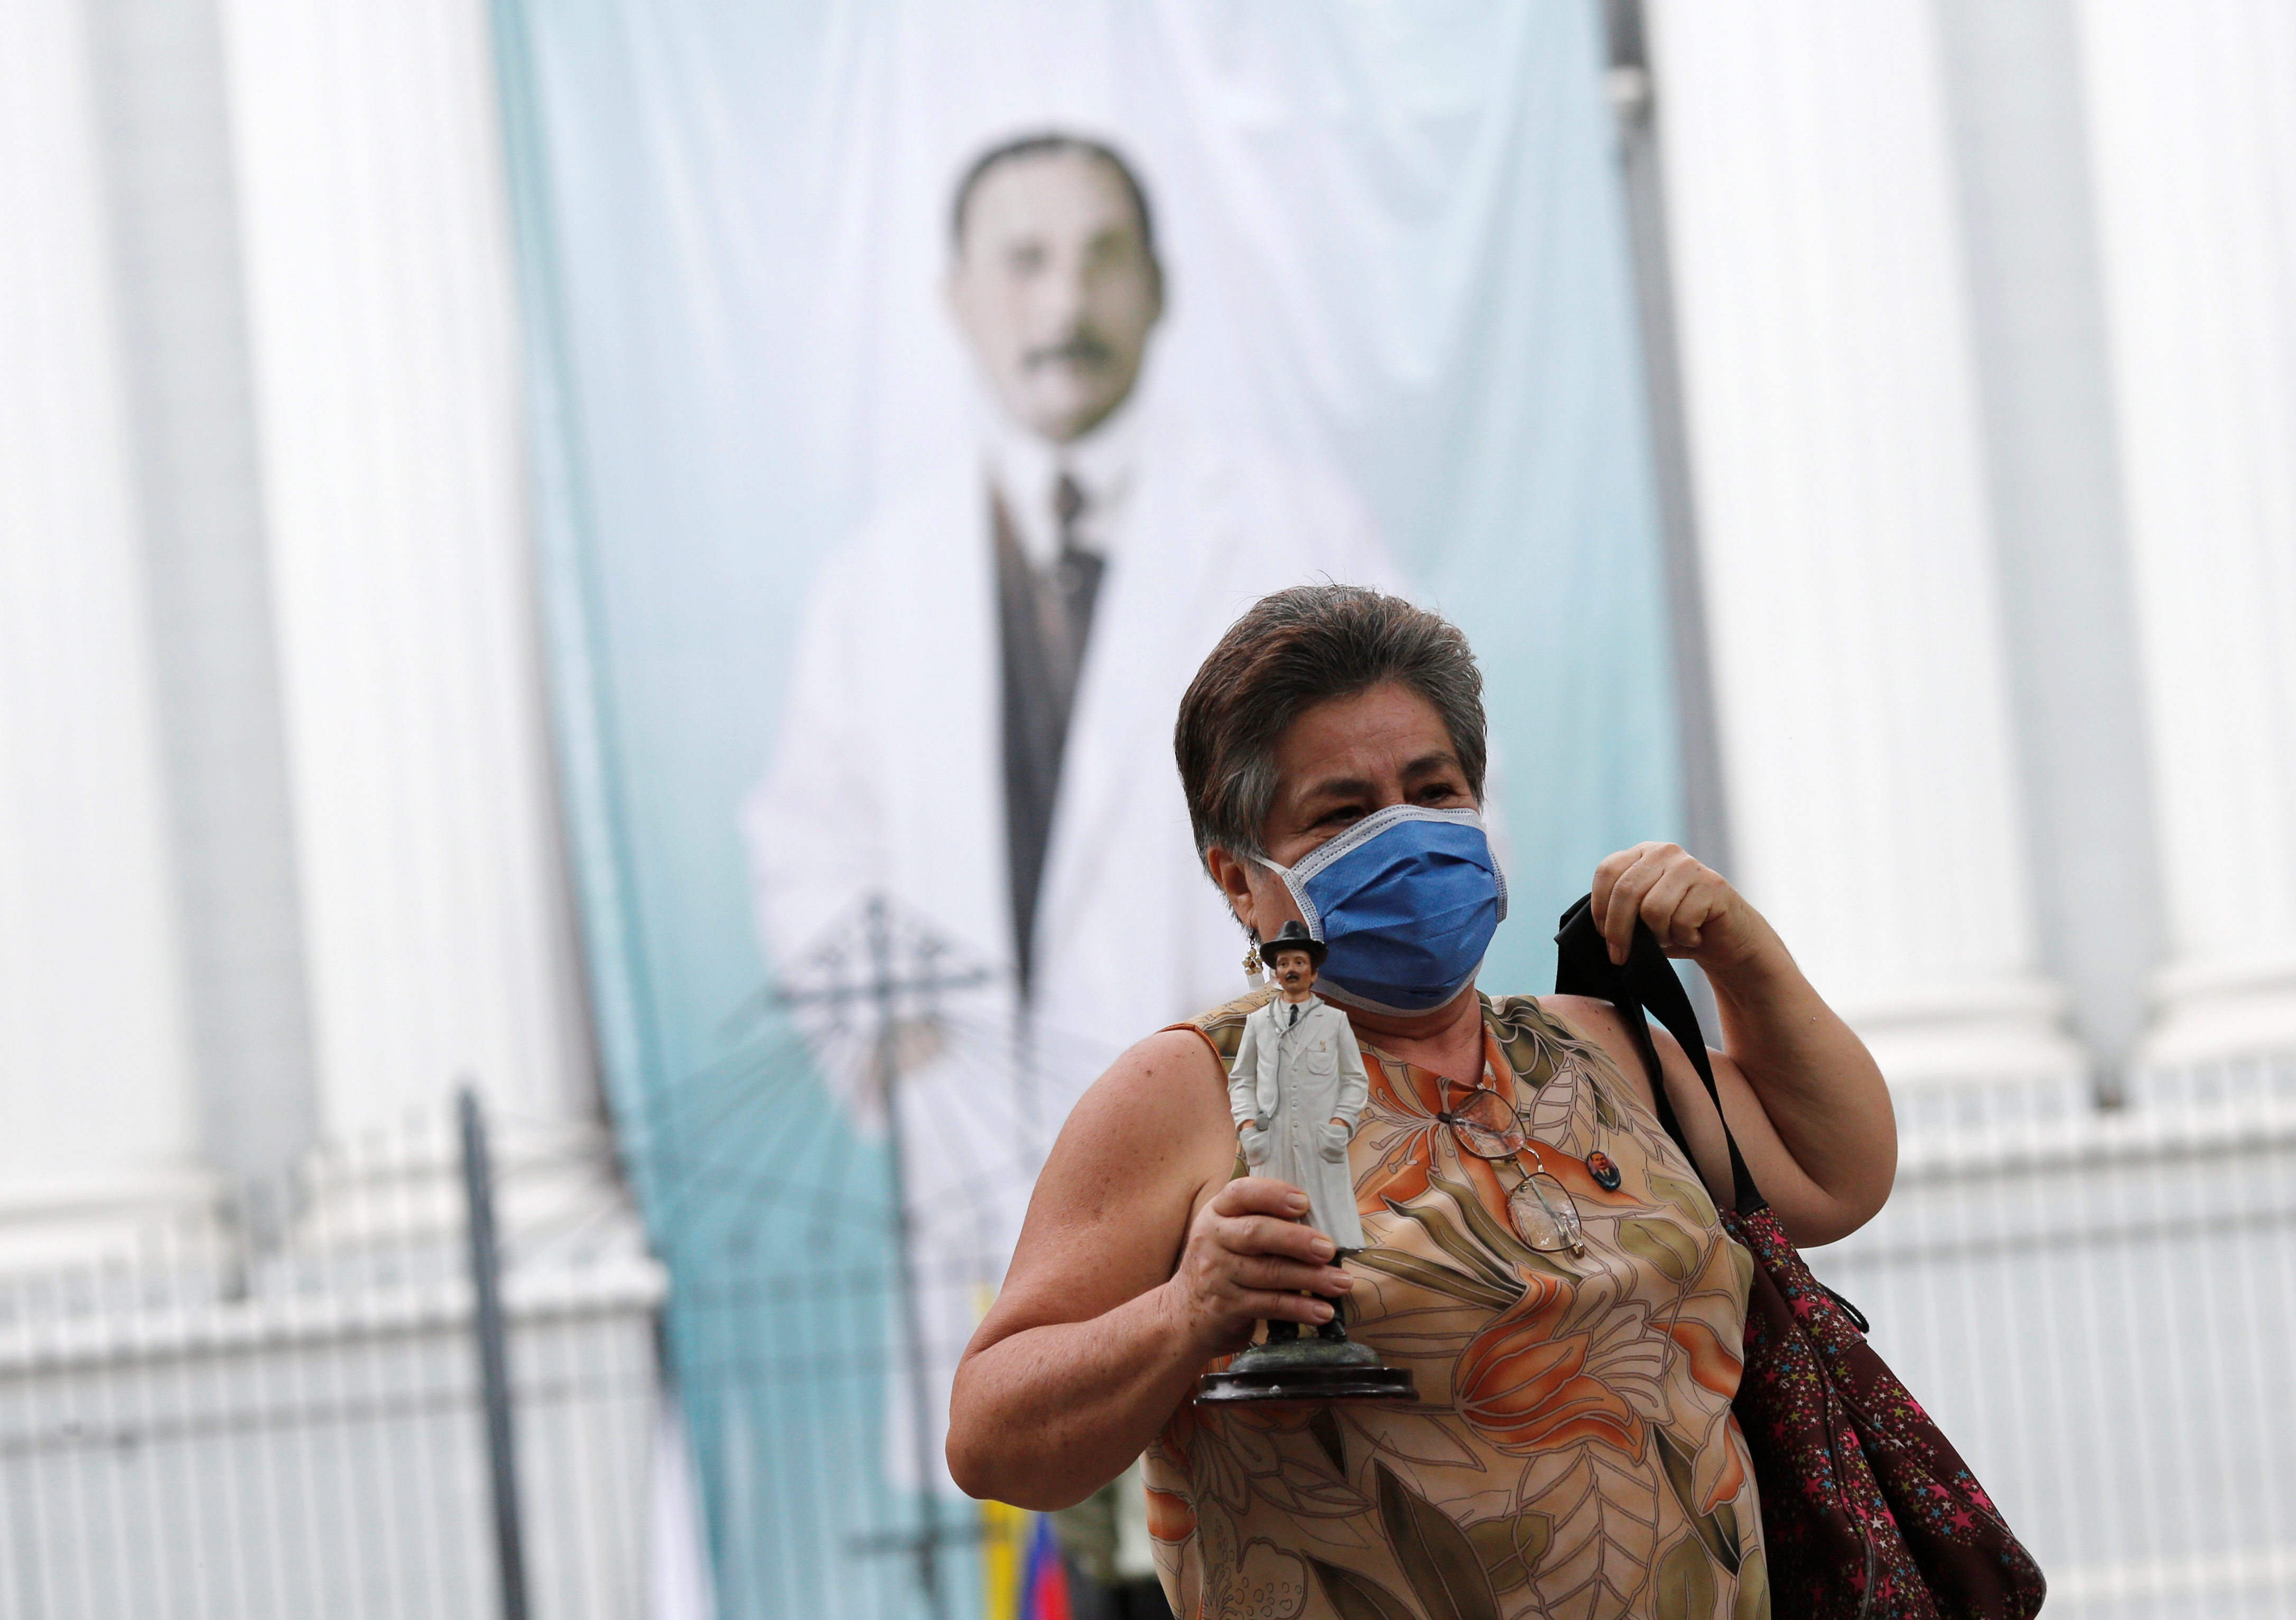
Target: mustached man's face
1056	289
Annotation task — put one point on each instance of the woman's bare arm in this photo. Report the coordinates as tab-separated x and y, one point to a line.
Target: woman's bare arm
1140	1262
1804	1097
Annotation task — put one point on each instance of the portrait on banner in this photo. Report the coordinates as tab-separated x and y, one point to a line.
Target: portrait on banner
977	725
948	385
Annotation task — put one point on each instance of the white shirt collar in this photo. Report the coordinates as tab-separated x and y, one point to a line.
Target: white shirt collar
1026	469
1283	1007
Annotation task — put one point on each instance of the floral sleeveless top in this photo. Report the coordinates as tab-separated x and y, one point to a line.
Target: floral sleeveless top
1572	1453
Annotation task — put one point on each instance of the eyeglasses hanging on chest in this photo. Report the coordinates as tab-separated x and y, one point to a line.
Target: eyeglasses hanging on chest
1485	1125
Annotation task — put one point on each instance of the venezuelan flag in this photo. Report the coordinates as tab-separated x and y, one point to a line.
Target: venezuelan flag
1005	1532
1045	1593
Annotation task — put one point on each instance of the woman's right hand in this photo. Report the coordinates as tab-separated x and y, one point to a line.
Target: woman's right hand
1251	1259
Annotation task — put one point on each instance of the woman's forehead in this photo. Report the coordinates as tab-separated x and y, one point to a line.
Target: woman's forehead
1362	741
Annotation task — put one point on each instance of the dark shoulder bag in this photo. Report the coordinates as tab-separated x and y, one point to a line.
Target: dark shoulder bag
1867	1512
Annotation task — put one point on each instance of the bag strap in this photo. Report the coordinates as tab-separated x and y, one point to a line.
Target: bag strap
1645	985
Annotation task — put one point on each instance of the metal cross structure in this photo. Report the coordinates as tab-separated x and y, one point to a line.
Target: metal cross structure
886	982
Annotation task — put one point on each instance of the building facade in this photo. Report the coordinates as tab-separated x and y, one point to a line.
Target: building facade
1974	390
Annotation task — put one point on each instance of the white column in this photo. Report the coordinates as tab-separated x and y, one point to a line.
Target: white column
1836	464
375	239
2192	136
96	1101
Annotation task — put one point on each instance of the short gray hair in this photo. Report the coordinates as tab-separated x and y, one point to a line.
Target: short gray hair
1290	652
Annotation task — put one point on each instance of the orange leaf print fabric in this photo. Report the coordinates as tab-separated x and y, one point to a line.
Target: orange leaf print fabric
1574	1424
1525	1389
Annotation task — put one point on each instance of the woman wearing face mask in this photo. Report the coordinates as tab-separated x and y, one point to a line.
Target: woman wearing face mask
1538	1250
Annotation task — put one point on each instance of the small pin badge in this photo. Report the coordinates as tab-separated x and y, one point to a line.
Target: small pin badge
1605	1173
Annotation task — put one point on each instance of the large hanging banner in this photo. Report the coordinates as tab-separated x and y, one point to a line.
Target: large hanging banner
921	389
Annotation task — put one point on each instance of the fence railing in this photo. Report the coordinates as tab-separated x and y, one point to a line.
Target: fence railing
275	1407
2095	1304
2098	1307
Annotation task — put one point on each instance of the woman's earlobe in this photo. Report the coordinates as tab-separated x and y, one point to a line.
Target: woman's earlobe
1234	881
1240	907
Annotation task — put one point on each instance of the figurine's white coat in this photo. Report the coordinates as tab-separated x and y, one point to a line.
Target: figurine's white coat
1289	1082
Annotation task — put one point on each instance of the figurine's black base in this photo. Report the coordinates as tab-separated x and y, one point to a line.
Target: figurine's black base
1310	1367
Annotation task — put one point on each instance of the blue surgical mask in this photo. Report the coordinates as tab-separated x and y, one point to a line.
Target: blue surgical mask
1407	900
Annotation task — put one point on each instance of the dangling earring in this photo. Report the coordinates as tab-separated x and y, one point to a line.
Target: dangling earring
1252	974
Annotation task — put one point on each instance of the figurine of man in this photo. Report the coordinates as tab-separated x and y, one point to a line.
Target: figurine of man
1296	1089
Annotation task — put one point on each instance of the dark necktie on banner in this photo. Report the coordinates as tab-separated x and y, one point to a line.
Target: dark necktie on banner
1044	616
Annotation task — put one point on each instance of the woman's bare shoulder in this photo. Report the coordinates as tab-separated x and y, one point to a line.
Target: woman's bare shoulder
1177	1068
1163	1096
1141	1150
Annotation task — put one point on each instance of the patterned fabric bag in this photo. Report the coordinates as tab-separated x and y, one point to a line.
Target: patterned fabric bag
1867	1512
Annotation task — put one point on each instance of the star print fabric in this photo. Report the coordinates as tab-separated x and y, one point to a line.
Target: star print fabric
1870	1512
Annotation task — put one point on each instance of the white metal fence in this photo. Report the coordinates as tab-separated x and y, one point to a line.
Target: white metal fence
204	1427
2099	1308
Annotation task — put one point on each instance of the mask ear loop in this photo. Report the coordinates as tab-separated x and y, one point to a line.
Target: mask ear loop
1309	913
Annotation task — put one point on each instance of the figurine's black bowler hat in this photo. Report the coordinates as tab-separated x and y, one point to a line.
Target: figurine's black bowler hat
1294	937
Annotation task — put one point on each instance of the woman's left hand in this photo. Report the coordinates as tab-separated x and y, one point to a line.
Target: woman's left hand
1808	1108
1690	907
